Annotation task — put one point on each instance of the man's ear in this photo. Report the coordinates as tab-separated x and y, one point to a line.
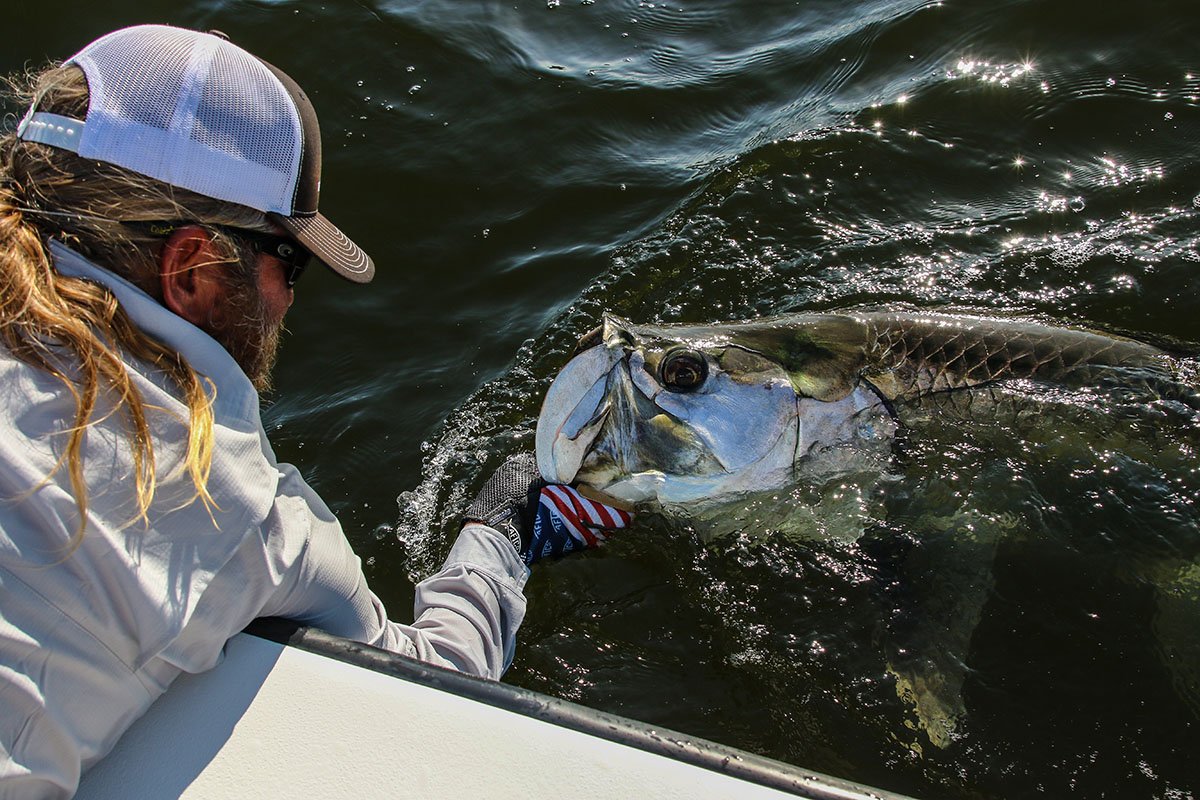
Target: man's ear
191	273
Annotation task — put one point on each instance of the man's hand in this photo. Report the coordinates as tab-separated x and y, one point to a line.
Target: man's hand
541	520
566	522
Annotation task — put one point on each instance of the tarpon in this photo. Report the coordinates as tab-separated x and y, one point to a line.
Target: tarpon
683	413
692	415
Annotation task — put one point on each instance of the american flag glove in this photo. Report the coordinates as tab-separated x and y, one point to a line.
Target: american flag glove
567	522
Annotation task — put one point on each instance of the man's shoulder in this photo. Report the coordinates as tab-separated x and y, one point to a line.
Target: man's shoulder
21	379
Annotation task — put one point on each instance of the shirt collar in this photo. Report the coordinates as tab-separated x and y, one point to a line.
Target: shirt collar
235	394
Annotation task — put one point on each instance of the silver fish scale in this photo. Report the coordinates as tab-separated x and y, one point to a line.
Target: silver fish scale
910	355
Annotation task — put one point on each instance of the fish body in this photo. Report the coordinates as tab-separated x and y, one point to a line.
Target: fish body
694	416
685	414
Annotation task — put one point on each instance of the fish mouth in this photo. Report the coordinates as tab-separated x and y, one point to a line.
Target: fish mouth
598	496
637	443
611	420
574	412
600	427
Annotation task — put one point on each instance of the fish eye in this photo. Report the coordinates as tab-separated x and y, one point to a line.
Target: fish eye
682	370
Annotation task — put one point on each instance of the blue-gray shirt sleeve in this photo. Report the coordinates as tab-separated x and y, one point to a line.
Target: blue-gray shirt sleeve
466	615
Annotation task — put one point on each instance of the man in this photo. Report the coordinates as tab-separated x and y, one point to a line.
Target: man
157	204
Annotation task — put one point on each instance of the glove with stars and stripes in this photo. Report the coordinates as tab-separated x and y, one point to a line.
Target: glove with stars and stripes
542	520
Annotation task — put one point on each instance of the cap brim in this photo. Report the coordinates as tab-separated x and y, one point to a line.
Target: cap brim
332	247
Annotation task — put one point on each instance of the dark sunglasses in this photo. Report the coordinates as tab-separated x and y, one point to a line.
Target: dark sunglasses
284	248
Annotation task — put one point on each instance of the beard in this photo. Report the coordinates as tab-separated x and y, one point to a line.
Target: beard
247	334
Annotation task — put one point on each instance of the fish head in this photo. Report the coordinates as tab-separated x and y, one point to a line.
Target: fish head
675	414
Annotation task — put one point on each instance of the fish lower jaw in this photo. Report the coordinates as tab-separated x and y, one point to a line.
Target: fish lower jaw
655	487
638	488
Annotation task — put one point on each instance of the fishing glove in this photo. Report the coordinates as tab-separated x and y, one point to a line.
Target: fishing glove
538	518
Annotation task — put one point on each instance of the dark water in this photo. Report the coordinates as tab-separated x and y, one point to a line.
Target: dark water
516	168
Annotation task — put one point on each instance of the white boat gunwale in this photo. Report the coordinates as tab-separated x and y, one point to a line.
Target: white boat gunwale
691	750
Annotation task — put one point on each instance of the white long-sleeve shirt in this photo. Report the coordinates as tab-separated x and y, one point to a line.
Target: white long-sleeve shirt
90	637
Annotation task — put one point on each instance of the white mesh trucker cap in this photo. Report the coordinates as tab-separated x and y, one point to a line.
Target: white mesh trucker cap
198	112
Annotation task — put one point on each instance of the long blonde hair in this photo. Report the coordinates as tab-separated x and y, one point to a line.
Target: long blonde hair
74	329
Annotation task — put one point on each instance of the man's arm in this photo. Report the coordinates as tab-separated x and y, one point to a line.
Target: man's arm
467	614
